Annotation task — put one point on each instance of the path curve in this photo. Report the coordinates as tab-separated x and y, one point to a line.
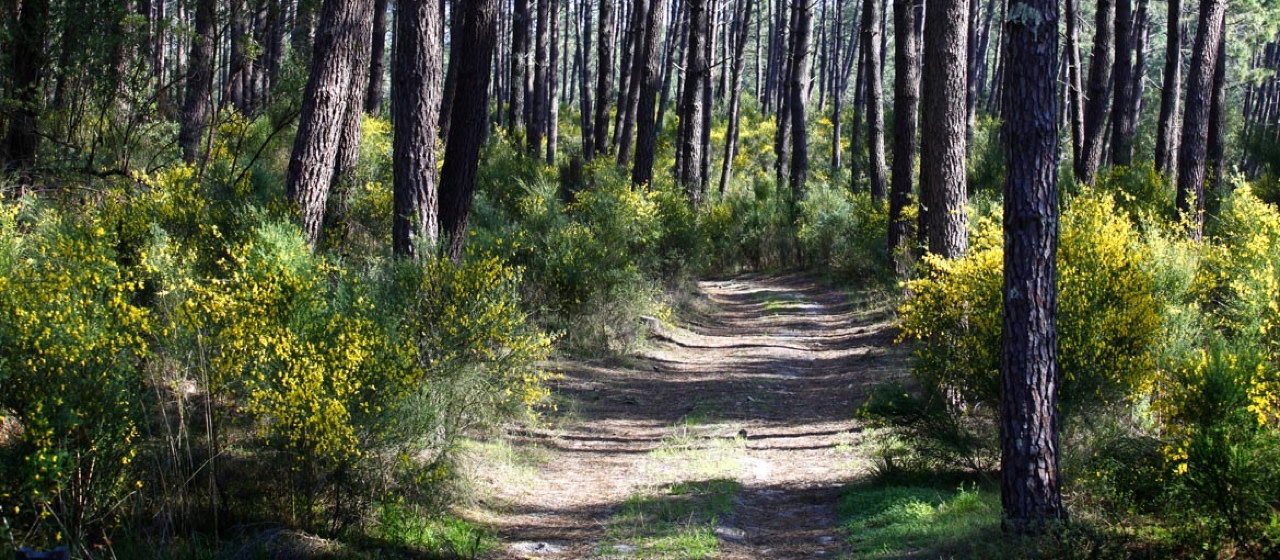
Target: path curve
778	359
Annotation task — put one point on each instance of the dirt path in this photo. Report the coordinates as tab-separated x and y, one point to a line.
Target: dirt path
758	388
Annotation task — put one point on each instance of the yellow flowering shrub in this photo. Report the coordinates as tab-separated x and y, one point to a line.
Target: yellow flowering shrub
1108	319
72	343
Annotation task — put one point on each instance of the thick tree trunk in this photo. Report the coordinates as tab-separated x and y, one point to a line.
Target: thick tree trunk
604	75
344	24
344	167
942	143
1193	146
906	117
1095	110
417	80
689	143
1167	127
1030	492
877	168
742	22
1122	127
198	106
451	71
471	119
377	59
799	63
30	26
646	127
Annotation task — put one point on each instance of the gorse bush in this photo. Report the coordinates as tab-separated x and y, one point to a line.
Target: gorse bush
844	233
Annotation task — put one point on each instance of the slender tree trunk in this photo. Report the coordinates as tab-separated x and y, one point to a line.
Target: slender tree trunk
837	101
541	95
377	59
742	22
877	169
1095	110
471	118
520	36
198	106
906	117
344	24
1167	127
451	72
582	51
646	127
604	75
1030	492
673	50
1193	146
689	144
1218	120
972	63
1123	128
553	81
344	168
30	27
799	131
638	51
942	144
235	87
1075	88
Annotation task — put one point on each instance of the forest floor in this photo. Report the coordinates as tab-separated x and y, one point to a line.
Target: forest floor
728	434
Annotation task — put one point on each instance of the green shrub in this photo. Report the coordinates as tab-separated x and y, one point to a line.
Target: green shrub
844	233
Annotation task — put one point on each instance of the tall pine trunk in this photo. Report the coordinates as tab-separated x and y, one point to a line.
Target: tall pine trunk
906	117
30	27
650	80
1030	484
471	120
942	143
742	22
604	75
198	105
1095	110
1193	146
1123	127
417	81
877	169
1170	92
803	22
689	143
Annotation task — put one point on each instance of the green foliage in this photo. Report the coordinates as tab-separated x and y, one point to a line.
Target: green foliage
1140	191
845	233
679	522
438	535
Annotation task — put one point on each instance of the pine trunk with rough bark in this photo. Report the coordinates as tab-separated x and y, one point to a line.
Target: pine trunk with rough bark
802	24
1193	146
877	170
942	142
344	24
582	50
604	75
1099	88
906	118
541	95
197	108
417	83
471	120
1030	492
520	38
1075	81
646	104
742	22
1216	151
1170	93
637	53
377	59
689	143
1122	125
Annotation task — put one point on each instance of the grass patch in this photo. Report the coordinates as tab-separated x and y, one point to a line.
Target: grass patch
679	521
886	521
437	535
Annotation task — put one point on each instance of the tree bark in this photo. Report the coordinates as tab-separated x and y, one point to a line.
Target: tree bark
344	24
582	51
1095	110
1195	121
646	127
877	170
198	106
1122	126
689	143
538	102
906	118
520	35
471	119
1167	127
604	75
417	82
377	59
637	52
1218	120
1030	493
799	131
742	22
1075	88
942	143
553	82
30	27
